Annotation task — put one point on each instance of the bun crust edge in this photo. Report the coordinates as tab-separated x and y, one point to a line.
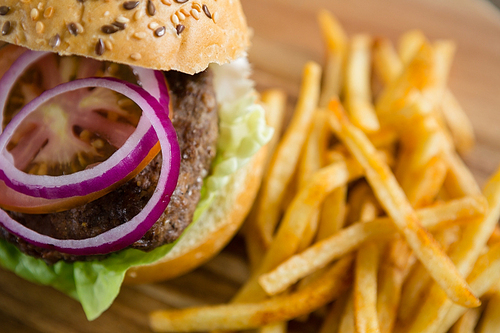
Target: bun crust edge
160	34
212	232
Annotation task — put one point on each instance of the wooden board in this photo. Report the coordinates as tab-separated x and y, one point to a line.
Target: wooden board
285	37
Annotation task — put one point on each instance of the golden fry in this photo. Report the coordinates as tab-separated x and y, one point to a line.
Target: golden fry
396	205
253	315
287	154
348	239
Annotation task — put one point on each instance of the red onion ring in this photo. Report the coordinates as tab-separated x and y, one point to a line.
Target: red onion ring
135	149
131	231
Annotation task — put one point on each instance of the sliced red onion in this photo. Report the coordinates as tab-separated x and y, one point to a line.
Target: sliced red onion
83	183
131	231
15	71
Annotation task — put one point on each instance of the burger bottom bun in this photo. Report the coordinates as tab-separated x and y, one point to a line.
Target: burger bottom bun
214	229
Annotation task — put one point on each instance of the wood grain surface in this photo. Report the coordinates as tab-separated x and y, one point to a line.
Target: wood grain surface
286	35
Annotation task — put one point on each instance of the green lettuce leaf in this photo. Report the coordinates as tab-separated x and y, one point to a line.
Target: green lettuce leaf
97	283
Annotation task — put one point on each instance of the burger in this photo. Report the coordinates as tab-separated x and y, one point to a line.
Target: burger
132	141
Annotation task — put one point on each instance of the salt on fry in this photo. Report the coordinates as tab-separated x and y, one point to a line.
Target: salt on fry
394	202
348	239
253	315
286	156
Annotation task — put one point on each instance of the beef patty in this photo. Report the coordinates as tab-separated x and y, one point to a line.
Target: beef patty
196	123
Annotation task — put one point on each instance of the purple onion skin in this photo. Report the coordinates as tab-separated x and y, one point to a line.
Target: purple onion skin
122	236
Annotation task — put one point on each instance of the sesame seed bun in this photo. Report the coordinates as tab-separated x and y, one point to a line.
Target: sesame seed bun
160	34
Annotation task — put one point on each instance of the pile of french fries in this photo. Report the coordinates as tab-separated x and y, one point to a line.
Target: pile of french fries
367	216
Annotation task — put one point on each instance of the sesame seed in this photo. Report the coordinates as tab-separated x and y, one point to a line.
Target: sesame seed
138	15
128	5
179	28
181	16
23	25
140	35
151	8
55	41
109	29
25	1
40	6
215	17
4	10
48	12
136	56
106	13
6	28
122	19
197	6
181	1
34	14
175	19
79	28
99	47
72	28
119	25
195	13
39	27
153	25
166	2
185	11
160	32
109	45
206	11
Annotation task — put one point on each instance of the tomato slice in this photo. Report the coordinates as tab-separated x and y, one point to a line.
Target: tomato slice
74	131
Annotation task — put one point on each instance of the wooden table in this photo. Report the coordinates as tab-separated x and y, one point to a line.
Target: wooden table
286	35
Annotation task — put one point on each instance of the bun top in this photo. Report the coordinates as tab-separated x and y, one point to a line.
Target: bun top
183	35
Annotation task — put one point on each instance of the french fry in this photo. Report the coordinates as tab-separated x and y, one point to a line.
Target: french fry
357	84
278	327
409	43
331	323
484	275
287	154
396	205
386	61
365	289
464	254
392	273
467	323
274	102
314	150
336	45
459	124
253	315
333	213
348	239
297	216
490	321
347	324
417	284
